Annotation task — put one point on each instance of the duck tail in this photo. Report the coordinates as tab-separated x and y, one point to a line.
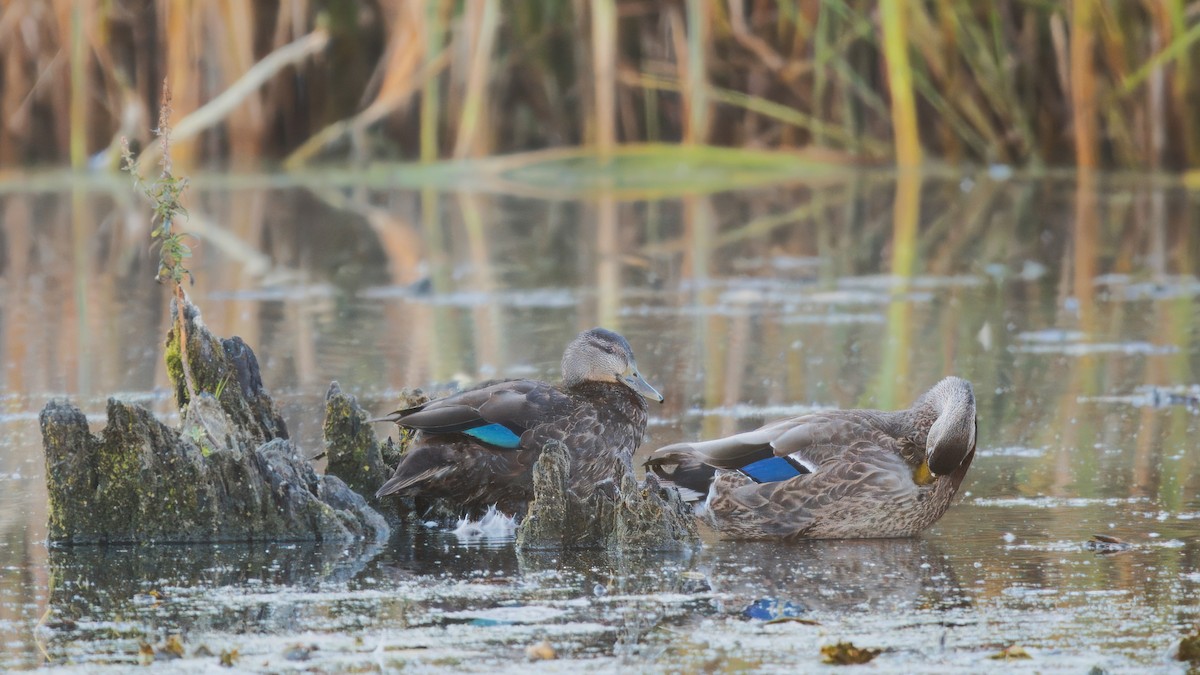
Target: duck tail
397	415
676	466
418	466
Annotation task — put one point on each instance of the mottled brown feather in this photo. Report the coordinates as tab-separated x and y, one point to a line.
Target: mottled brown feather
601	421
862	465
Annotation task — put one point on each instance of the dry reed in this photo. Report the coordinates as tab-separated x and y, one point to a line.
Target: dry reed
1102	83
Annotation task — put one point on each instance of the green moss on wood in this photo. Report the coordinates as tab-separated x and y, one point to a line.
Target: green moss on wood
227	474
355	454
171	354
637	518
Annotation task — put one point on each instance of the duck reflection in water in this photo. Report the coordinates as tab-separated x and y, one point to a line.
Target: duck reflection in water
770	580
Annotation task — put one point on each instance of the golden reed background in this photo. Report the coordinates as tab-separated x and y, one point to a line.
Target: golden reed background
1086	83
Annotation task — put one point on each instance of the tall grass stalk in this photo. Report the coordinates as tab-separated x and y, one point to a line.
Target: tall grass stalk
470	142
696	92
604	75
900	83
79	85
431	95
1083	83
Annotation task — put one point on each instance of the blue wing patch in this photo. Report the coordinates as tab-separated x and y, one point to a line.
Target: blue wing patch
772	470
495	434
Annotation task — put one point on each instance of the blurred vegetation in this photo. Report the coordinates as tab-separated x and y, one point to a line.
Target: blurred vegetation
1085	83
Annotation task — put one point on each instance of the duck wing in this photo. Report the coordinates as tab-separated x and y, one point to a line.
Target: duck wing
462	471
843	497
496	414
779	450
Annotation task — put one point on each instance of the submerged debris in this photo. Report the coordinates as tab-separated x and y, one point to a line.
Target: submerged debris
299	652
1104	544
643	517
846	654
772	610
229	473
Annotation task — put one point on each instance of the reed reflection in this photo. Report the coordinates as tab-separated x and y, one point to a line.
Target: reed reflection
1060	300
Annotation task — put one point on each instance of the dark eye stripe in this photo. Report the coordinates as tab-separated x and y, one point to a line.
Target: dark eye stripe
603	346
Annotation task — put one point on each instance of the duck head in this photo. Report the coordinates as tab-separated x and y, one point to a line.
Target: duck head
951	437
600	355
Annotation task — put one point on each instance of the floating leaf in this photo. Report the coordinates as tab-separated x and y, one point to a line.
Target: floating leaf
171	649
145	653
1189	648
846	654
1011	652
792	619
542	651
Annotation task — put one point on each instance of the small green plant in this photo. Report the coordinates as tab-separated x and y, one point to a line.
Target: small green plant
221	386
165	193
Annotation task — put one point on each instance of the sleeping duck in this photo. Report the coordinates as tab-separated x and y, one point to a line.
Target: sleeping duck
476	448
833	474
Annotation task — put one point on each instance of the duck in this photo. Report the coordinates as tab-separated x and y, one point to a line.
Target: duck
476	448
831	474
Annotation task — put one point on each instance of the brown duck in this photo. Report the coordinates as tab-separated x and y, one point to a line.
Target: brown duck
833	474
476	448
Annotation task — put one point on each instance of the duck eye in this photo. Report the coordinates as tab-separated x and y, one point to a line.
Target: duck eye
608	348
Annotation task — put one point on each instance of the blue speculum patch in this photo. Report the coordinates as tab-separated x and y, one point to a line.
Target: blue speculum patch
495	434
771	470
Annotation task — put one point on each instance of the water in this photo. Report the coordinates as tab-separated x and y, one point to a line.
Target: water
1072	310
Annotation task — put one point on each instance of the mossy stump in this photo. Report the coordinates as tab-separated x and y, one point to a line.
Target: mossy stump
355	454
634	518
228	473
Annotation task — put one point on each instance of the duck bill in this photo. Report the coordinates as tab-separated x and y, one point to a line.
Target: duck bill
944	462
950	448
635	382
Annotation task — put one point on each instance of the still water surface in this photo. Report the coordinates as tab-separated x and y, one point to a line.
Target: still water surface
1072	307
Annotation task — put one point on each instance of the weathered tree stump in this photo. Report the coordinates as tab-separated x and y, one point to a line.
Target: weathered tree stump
635	518
355	454
229	473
